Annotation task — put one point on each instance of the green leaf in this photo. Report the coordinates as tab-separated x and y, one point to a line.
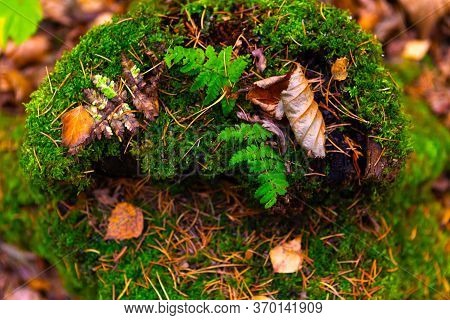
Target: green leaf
19	20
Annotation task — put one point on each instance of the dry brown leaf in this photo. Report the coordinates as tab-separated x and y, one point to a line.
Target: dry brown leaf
304	115
339	69
14	87
416	49
292	95
126	222
287	257
266	94
77	127
375	162
58	10
33	50
426	13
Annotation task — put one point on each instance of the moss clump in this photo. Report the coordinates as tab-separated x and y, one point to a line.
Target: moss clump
178	143
194	235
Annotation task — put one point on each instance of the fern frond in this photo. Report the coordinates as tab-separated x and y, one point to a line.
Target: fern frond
252	133
261	160
213	71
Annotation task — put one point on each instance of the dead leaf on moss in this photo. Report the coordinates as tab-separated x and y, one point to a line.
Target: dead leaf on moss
287	257
266	94
126	222
77	127
375	162
292	95
304	115
339	69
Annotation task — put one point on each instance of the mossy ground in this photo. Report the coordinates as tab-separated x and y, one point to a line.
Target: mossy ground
205	241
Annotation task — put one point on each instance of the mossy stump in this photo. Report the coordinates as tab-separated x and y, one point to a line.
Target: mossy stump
204	236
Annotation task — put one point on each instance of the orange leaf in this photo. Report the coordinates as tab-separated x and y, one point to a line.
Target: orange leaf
77	126
126	222
287	257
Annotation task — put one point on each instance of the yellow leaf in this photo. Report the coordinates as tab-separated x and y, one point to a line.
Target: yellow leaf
304	115
77	126
339	69
126	222
287	257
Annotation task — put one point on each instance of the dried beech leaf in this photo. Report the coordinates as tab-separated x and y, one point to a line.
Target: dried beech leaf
425	14
375	160
339	69
77	127
304	115
266	94
126	222
287	257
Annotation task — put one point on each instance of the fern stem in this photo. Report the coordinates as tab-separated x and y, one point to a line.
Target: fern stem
203	111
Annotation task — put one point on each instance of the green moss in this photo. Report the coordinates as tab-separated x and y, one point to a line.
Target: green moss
43	158
168	152
315	36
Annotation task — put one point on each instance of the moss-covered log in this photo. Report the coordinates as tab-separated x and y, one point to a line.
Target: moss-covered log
203	237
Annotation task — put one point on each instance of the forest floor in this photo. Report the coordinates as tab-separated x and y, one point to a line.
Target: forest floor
411	32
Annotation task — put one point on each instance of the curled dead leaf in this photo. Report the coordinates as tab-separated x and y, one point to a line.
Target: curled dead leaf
292	95
304	115
126	222
77	127
15	88
266	94
339	69
287	257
